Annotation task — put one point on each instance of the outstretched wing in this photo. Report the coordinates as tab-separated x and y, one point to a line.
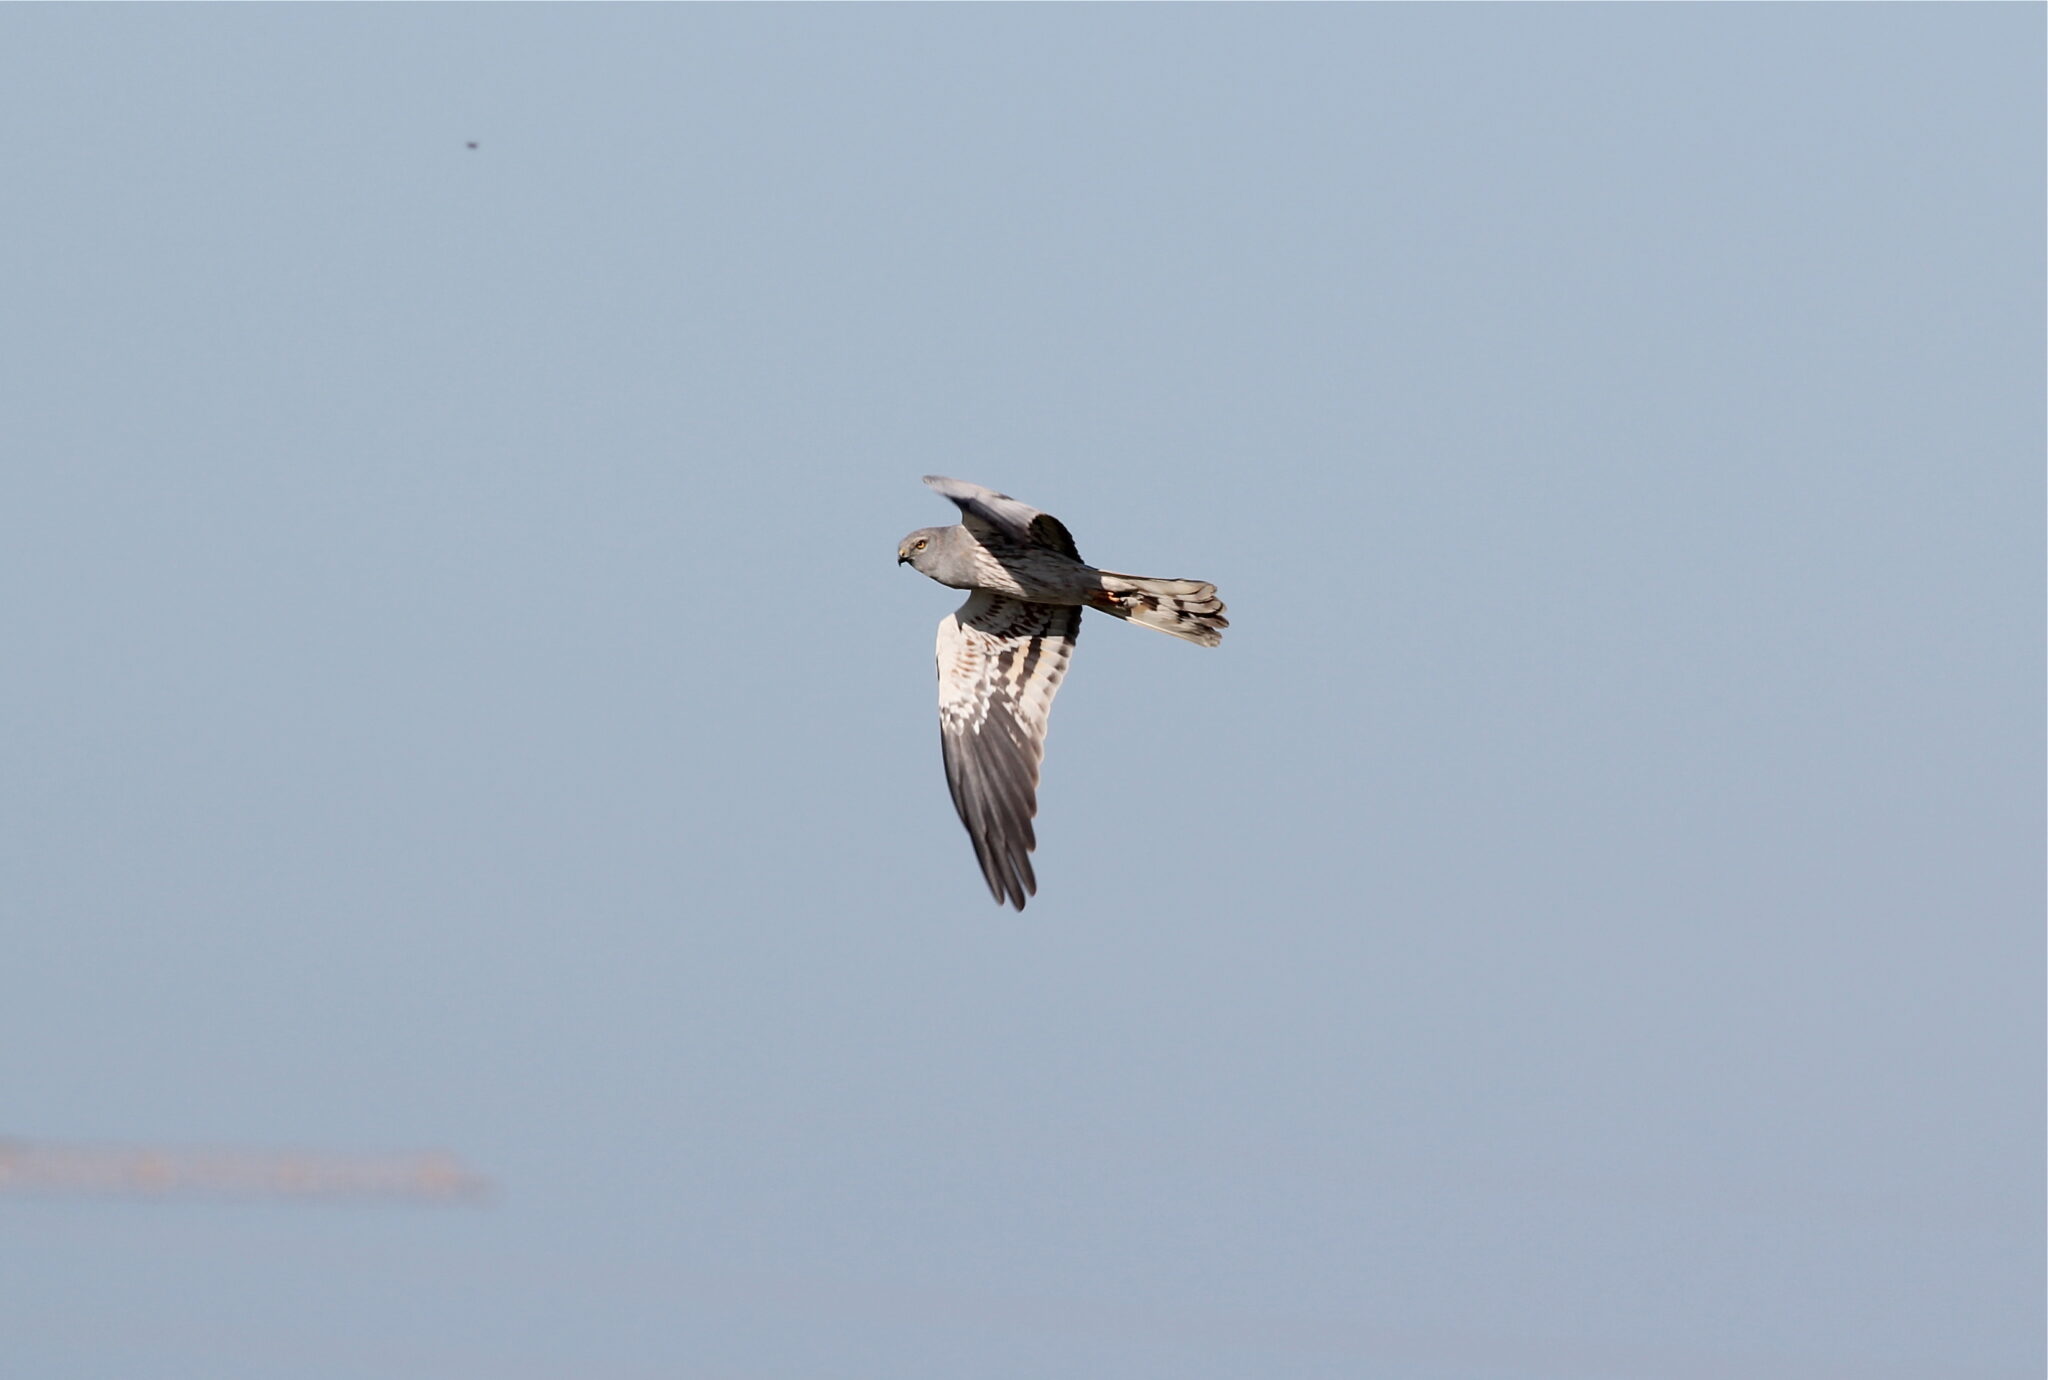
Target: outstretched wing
984	512
1000	663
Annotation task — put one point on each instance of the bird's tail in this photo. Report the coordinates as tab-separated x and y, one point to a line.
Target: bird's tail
1185	608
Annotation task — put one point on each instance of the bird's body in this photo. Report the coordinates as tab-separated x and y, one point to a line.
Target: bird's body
999	563
1003	653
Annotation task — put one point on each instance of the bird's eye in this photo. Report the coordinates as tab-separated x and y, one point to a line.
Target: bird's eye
920	546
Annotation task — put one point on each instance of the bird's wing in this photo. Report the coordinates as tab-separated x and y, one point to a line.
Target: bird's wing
984	511
1000	663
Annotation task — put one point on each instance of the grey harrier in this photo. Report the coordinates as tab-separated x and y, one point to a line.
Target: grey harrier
1002	653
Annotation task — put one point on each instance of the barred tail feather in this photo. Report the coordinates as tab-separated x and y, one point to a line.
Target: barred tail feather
1184	608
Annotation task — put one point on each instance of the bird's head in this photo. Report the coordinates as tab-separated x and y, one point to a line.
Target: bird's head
919	549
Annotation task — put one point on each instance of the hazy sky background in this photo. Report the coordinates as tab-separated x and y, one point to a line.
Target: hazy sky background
1585	921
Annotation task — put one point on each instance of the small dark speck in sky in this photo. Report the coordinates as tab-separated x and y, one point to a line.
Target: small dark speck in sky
472	143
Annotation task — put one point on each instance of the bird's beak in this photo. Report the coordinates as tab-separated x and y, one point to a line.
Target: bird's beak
903	558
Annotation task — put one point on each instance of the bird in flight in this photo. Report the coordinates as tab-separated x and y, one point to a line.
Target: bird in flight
1003	652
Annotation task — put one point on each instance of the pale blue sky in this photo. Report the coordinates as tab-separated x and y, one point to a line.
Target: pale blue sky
1586	920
